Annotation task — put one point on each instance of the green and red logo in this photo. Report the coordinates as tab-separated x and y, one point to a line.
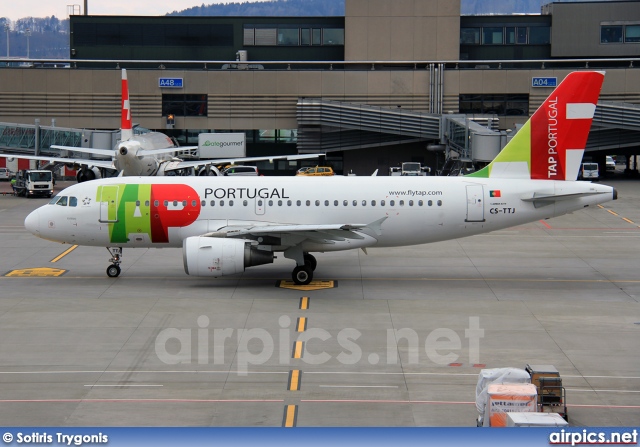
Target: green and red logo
139	209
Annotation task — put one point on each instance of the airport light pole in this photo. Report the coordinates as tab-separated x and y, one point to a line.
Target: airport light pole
28	34
6	28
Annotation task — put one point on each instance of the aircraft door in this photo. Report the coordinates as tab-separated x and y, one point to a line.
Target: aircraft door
475	203
108	198
261	205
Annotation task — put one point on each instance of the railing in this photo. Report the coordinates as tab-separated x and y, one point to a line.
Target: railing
537	64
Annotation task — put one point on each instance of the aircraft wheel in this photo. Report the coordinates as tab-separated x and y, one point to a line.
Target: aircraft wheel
113	271
310	261
302	275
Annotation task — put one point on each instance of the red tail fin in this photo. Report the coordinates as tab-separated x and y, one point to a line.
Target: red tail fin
560	127
126	127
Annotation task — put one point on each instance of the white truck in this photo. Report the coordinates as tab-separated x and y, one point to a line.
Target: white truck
410	168
32	183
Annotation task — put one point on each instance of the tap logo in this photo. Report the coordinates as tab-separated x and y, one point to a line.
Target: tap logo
146	210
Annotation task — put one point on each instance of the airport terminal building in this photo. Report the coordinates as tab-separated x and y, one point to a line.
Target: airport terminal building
389	82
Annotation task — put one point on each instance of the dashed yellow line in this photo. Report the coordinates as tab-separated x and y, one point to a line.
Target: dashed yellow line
290	416
302	324
63	254
304	303
295	378
297	349
618	215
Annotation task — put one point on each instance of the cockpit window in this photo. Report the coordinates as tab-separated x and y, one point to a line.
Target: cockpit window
73	201
63	201
54	200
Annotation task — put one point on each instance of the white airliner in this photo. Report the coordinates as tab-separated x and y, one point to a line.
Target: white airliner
226	226
149	154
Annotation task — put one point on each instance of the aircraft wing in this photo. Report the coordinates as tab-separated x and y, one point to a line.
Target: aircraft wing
108	164
218	161
322	233
86	150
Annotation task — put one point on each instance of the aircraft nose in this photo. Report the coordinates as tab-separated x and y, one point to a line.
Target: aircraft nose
32	223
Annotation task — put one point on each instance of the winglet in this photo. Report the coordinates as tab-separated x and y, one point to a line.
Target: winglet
126	127
551	144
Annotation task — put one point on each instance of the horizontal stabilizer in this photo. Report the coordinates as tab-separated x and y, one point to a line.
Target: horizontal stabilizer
543	199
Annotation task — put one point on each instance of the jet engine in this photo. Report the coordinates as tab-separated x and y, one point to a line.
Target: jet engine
210	256
84	175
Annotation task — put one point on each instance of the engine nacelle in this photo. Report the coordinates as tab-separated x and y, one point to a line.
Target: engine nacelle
211	256
84	175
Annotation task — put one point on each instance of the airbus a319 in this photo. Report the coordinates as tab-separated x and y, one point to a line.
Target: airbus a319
226	226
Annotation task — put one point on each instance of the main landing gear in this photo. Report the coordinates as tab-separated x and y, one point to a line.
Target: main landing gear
303	274
113	270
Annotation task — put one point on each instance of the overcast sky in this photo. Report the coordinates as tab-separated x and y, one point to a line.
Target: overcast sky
18	9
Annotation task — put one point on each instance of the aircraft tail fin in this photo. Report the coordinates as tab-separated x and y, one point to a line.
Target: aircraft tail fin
126	126
551	143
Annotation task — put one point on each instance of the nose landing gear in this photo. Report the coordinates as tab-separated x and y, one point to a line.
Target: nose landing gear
114	270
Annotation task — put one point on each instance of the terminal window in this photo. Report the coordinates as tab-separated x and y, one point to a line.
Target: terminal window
184	105
255	35
498	104
626	33
505	35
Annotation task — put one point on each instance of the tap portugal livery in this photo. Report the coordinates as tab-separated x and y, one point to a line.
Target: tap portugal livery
226	225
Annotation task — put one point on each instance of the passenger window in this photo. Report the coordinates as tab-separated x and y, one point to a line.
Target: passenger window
259	202
166	203
392	202
401	203
317	203
270	202
222	203
439	202
373	203
326	203
420	203
244	203
279	202
355	203
193	203
308	202
73	201
335	203
430	203
63	201
298	203
175	203
146	203
137	203
184	203
345	203
203	203
156	203
382	202
230	202
410	202
364	203
213	203
289	202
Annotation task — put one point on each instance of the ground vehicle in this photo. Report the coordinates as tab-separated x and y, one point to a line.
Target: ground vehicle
410	168
316	171
241	170
32	183
589	171
610	164
5	174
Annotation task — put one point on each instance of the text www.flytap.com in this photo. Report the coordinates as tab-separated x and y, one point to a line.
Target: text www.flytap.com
413	193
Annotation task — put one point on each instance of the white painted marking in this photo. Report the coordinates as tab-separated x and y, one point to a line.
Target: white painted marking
572	163
580	111
603	391
511	170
